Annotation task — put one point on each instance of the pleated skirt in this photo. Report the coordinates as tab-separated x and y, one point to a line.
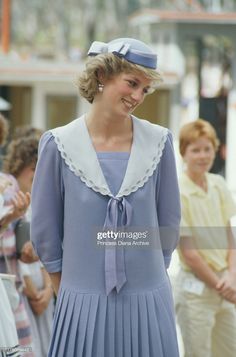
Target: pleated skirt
118	325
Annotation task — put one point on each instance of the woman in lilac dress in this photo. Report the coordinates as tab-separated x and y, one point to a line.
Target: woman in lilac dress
105	214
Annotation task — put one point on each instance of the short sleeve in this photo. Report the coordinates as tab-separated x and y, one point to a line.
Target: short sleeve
168	201
227	201
47	205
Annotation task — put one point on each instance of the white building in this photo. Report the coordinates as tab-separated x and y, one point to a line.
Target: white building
178	37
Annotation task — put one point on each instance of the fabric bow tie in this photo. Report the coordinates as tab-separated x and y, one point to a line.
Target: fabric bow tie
115	276
120	48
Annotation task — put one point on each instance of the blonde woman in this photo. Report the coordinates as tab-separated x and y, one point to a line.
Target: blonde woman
106	173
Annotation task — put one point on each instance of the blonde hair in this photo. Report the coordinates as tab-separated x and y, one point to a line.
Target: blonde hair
109	65
195	130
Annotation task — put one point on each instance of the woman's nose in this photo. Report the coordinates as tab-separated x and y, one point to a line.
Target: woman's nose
138	95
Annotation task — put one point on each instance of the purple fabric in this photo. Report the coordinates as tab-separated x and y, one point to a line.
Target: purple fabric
136	318
132	50
114	259
111	164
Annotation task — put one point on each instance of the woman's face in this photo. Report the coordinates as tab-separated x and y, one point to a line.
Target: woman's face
124	92
199	156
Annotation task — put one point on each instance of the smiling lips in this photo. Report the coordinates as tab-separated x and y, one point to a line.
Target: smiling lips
129	104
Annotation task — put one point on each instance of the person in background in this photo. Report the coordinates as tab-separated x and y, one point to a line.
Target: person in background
9	342
24	131
19	166
15	204
109	171
19	202
35	280
206	285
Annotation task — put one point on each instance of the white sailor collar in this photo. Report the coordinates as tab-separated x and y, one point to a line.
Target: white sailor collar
76	148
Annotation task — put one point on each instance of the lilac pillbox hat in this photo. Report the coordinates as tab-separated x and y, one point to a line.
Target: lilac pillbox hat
132	50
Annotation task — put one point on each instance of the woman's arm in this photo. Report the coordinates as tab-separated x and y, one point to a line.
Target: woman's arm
48	206
168	201
55	280
51	281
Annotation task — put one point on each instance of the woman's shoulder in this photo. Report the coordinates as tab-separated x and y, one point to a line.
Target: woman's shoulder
157	137
70	128
47	142
46	137
52	136
149	127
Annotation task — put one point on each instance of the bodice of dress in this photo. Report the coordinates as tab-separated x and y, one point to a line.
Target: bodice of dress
67	213
119	212
74	196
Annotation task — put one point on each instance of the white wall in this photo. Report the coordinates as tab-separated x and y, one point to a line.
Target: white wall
40	92
231	143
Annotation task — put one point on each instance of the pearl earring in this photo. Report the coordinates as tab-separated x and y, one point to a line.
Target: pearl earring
100	87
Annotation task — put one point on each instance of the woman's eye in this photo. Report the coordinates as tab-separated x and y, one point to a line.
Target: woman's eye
132	84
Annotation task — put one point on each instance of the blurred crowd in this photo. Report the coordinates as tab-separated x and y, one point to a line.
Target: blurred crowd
27	300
